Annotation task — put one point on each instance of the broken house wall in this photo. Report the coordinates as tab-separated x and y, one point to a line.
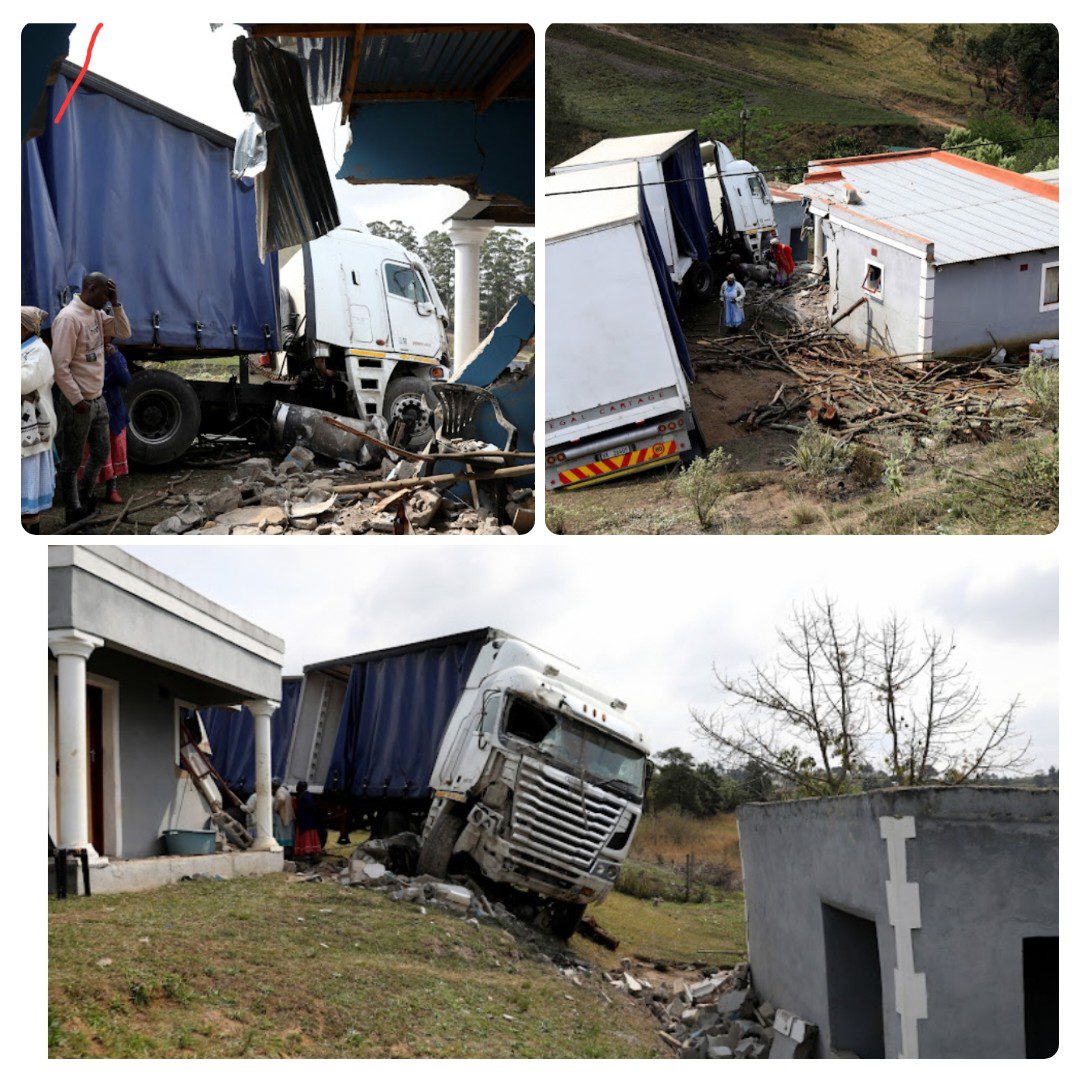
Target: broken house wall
986	864
992	296
888	323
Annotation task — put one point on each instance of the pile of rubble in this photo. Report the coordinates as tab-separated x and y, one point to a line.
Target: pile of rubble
720	1016
299	496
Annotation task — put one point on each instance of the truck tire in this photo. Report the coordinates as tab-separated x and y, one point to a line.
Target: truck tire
409	398
564	918
164	417
438	846
699	283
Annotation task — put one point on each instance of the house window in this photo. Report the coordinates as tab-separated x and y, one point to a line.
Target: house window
1048	295
874	278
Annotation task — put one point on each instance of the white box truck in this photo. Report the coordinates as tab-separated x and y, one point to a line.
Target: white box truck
710	211
499	753
617	398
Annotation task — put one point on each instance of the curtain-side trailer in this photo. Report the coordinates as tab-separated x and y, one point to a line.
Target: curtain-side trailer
497	752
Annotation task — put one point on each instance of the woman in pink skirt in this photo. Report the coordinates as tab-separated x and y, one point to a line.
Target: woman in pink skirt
117	378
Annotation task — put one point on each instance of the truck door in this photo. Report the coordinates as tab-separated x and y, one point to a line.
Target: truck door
414	323
361	330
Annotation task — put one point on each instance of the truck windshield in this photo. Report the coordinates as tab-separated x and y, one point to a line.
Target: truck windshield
606	761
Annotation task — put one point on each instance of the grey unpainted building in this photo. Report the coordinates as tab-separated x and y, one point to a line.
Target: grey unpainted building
130	650
948	256
916	922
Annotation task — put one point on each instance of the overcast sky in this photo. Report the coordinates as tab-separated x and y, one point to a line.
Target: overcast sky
645	620
193	75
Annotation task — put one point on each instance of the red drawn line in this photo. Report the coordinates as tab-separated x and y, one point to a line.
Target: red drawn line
75	84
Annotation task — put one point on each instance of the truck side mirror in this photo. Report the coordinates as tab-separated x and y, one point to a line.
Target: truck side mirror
424	308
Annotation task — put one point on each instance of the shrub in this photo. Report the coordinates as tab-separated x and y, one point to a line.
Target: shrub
704	484
1040	381
818	455
867	466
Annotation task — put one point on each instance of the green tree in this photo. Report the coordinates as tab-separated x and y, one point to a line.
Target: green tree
506	271
397	230
437	251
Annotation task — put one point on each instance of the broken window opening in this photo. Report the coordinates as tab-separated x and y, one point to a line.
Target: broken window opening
525	721
853	977
873	279
1040	996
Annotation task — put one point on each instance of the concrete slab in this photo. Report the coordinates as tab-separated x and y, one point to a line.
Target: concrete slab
138	875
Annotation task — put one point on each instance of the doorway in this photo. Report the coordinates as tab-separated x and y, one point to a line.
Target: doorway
853	974
1041	996
95	750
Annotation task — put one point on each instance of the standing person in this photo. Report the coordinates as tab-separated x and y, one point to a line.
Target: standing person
78	352
308	821
784	259
38	421
117	378
283	817
732	294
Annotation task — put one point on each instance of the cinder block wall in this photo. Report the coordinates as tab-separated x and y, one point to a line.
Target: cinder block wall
986	863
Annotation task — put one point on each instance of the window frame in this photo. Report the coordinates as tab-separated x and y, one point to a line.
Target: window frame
390	266
879	293
1043	305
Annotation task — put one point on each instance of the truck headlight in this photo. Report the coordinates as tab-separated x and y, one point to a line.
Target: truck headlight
609	871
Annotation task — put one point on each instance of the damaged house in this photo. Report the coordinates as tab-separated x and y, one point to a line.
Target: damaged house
132	655
917	922
932	253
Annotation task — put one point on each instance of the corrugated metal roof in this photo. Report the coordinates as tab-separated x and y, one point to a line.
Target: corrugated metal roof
617	201
967	211
456	62
630	148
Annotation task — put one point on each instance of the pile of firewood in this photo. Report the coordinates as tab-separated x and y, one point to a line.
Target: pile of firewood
825	379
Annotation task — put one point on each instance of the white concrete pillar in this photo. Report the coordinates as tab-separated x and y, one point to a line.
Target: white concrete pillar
72	649
467	236
819	245
262	709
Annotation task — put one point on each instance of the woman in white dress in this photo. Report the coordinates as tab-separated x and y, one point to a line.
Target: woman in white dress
38	421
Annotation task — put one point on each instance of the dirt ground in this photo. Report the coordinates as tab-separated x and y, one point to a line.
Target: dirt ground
144	485
767	497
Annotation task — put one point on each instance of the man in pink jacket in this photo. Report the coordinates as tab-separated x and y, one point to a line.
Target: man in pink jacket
78	350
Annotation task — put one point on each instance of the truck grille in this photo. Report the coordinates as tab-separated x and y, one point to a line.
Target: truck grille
559	823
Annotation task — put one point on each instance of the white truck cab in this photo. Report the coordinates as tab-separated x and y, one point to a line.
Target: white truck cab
553	772
373	304
739	197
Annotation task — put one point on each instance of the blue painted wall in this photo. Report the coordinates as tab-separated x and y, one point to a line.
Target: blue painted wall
444	142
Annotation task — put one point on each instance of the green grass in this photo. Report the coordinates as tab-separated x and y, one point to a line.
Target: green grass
271	967
210	368
815	82
673	932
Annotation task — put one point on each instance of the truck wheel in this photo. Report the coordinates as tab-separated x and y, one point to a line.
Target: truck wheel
564	918
439	844
699	282
165	415
409	398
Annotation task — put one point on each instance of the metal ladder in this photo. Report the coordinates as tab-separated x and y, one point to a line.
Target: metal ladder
210	786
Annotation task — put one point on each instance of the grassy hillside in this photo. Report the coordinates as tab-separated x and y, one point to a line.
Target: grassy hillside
878	84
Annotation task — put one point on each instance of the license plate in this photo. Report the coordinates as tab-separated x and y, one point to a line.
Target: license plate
615	451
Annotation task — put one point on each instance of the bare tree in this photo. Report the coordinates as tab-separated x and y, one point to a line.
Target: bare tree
840	702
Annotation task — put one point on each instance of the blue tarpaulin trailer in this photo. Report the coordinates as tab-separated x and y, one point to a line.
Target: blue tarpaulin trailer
231	734
127	186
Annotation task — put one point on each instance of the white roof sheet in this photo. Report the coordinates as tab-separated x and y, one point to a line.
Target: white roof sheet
630	148
602	198
967	216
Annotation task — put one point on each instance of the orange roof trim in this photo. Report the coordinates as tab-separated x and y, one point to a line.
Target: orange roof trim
1002	176
829	170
